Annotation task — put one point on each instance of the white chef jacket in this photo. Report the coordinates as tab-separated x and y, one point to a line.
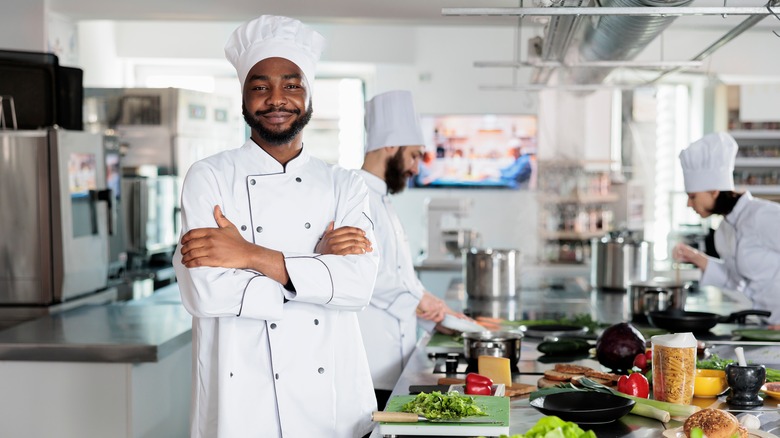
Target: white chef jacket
389	323
748	242
263	367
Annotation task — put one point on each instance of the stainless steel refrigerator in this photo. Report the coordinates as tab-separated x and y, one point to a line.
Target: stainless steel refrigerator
54	220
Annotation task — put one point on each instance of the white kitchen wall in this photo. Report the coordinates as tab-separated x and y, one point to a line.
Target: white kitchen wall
434	62
22	25
505	219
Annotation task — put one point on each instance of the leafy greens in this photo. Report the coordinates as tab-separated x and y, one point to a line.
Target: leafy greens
438	406
716	363
554	427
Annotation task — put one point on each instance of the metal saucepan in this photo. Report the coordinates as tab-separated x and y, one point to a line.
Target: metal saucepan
490	273
657	295
498	344
681	321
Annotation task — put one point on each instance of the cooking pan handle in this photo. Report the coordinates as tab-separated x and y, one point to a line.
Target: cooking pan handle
740	317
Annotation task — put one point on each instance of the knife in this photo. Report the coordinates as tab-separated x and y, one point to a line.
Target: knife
407	417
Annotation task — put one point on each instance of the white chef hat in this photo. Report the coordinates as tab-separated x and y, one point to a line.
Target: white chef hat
392	121
271	36
708	163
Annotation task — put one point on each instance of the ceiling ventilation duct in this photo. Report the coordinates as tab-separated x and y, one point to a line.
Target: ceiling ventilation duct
607	38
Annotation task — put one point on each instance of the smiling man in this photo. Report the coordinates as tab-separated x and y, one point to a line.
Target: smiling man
275	260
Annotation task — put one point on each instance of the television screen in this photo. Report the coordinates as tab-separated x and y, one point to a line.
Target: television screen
493	151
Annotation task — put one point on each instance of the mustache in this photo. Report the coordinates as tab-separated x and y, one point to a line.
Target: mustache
277	110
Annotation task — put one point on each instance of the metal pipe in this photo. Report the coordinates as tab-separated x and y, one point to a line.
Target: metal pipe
730	35
604	11
592	64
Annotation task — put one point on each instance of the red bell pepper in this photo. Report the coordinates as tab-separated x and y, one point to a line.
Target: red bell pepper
477	384
634	384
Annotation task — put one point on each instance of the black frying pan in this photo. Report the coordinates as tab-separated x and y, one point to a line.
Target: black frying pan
681	321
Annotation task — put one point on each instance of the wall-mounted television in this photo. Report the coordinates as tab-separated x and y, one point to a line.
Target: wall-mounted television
478	151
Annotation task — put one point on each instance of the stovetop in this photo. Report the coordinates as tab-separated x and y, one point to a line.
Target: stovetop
452	364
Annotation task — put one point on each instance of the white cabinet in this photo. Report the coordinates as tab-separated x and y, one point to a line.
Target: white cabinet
757	166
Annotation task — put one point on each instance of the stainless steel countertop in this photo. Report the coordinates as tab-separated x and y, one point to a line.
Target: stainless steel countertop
546	297
129	332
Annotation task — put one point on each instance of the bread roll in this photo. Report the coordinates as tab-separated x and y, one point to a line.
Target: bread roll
715	424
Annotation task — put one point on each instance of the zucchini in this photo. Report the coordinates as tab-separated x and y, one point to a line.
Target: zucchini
562	347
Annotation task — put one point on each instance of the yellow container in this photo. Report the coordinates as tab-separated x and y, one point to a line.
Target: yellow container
709	383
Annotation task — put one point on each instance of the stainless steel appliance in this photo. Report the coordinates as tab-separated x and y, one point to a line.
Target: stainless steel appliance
618	259
490	273
150	208
54	221
657	294
161	132
498	344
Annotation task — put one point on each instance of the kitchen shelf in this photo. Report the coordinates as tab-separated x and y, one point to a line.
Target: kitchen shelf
757	162
761	189
756	134
573	235
756	173
584	199
576	205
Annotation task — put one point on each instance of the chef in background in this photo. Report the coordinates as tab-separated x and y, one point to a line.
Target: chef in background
394	147
277	350
748	238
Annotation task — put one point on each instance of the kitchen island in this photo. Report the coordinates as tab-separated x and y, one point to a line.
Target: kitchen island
549	299
116	370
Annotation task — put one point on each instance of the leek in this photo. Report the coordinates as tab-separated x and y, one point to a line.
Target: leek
645	410
674	409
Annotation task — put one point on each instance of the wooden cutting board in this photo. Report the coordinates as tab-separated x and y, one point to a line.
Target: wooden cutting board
497	409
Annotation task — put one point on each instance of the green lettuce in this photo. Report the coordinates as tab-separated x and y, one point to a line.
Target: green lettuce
553	427
448	406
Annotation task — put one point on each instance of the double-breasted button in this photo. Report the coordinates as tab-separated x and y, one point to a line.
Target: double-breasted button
298	178
243	227
307	225
276	376
316	322
259	229
321	370
252	182
273	325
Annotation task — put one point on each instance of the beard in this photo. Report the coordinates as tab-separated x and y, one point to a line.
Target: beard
395	176
280	137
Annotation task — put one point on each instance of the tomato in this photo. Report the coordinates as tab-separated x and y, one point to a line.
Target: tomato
635	384
640	361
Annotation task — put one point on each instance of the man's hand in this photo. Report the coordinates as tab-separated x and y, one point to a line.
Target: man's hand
343	241
222	247
431	308
440	328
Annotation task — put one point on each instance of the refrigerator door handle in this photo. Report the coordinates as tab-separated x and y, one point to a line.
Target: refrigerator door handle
105	195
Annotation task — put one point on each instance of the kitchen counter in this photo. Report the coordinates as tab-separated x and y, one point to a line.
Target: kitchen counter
136	331
545	297
115	370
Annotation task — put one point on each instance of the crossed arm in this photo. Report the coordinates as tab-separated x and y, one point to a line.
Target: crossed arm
224	247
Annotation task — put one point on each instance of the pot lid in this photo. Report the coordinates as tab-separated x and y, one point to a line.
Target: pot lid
660	282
